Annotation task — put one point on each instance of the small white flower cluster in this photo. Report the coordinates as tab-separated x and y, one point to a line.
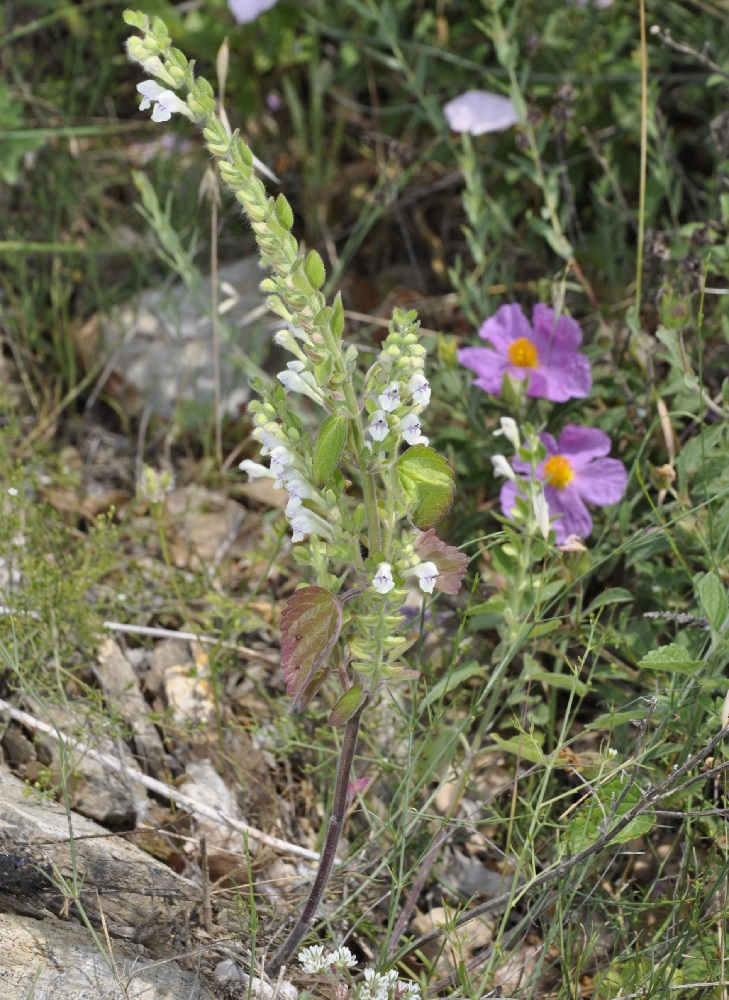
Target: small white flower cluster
386	986
315	959
398	410
376	985
397	400
288	471
425	572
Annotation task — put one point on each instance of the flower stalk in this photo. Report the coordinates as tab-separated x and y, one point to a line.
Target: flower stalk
366	466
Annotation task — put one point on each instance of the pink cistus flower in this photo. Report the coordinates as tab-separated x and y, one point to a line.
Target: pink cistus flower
478	112
245	11
543	353
575	472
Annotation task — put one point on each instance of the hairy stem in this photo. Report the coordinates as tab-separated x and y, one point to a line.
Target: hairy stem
328	854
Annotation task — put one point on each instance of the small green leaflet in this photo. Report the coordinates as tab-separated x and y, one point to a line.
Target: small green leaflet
310	625
346	706
427	483
587	825
328	447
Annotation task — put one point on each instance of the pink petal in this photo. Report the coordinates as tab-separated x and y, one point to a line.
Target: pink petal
506	325
584	443
488	366
245	11
549	443
602	482
563	376
563	333
507	498
478	112
575	519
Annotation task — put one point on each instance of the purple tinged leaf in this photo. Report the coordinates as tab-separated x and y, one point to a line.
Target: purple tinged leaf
310	625
451	563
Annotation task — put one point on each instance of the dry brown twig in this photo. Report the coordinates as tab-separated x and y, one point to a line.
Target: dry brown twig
181	800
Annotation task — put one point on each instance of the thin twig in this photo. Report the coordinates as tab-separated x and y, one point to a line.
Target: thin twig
181	800
563	868
206	640
702	57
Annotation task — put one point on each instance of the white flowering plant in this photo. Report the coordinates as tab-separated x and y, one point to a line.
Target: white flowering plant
365	489
374	985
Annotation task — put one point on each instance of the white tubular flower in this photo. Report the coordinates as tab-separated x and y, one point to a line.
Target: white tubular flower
286	339
306	522
270	435
299	490
510	432
282	465
313	959
342	958
383	581
427	573
292	381
166	102
378	427
419	388
408	990
541	511
409	427
389	400
255	470
502	467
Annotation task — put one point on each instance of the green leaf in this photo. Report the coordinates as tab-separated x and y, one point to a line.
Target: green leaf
712	598
427	483
337	326
673	658
328	447
613	595
346	706
586	826
323	371
527	747
284	213
310	625
453	679
314	269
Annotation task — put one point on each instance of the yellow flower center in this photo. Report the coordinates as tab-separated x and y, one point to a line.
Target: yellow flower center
523	353
558	472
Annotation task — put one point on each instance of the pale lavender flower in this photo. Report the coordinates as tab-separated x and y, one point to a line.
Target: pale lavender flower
409	427
575	472
419	388
389	400
543	352
426	573
166	102
305	522
478	112
383	581
378	427
245	11
295	379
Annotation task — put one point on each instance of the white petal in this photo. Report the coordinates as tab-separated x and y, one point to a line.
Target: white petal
389	400
255	470
502	467
378	428
150	89
478	112
383	581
